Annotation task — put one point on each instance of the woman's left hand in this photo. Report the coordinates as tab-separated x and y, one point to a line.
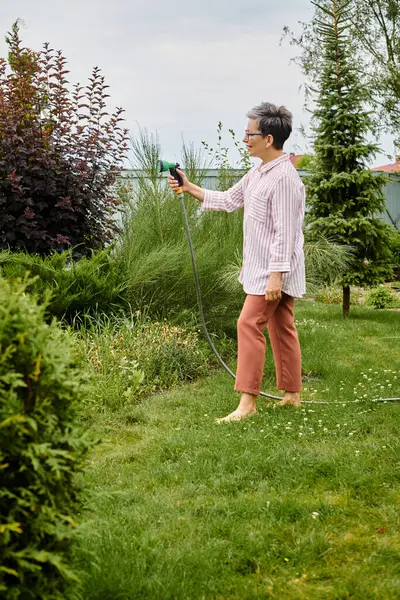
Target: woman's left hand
274	287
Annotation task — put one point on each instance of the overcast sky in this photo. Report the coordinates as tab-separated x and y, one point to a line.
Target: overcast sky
177	67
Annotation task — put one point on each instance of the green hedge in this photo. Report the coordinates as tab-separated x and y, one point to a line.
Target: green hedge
41	451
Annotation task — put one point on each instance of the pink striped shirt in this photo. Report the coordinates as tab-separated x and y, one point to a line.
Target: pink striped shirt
273	198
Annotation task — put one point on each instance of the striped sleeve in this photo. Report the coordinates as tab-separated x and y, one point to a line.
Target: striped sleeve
285	206
228	201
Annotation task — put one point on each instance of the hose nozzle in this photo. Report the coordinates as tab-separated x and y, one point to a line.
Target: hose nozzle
171	167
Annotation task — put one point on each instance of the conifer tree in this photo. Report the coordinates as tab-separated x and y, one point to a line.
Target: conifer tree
344	196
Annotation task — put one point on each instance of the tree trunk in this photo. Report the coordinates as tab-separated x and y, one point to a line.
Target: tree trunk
346	300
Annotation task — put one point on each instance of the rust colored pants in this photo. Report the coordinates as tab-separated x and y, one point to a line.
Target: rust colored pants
256	315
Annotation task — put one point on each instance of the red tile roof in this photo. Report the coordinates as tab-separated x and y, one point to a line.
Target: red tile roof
294	158
394	168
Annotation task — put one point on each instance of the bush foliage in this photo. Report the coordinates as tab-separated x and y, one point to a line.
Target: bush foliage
133	357
88	285
60	152
382	297
41	450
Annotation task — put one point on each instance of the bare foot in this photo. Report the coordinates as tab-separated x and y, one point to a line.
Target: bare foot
247	407
236	415
289	399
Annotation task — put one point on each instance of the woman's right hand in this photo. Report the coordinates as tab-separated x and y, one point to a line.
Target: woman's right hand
174	184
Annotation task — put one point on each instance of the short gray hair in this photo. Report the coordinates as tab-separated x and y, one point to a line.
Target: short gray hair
273	120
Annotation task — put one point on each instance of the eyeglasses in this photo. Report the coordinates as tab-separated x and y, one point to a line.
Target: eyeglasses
248	134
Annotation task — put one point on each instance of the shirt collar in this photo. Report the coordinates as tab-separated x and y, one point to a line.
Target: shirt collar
273	163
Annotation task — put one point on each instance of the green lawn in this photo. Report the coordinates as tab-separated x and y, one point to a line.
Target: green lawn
289	504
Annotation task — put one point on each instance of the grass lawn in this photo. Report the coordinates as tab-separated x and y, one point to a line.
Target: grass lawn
290	504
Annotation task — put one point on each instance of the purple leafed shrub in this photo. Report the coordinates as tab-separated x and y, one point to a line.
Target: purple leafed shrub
60	152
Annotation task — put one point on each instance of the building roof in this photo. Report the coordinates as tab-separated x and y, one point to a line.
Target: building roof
393	168
294	158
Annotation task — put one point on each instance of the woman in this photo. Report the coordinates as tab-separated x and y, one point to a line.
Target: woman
273	197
